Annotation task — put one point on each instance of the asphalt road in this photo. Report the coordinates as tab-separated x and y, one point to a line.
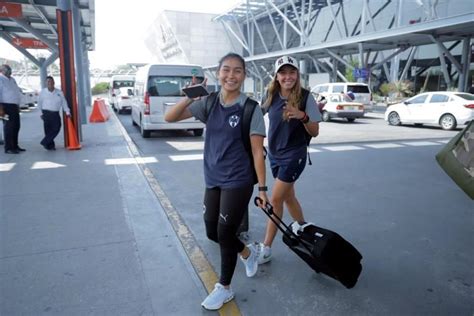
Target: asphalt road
377	185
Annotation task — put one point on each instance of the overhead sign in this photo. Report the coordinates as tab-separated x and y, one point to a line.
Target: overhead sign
10	10
29	43
360	73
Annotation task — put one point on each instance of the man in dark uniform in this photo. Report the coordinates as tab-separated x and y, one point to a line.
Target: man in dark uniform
50	102
10	98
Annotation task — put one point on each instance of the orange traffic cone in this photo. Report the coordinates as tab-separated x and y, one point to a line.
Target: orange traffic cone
97	114
103	109
73	143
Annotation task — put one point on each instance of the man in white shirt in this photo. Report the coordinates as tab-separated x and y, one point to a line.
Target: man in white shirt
10	98
50	102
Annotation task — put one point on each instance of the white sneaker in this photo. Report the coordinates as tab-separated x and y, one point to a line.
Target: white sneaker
251	263
218	297
265	253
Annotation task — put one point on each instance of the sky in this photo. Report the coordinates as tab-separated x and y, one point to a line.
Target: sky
120	27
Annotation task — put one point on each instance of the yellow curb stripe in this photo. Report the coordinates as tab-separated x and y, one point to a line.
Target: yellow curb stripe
196	256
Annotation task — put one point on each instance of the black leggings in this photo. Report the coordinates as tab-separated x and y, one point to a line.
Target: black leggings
223	213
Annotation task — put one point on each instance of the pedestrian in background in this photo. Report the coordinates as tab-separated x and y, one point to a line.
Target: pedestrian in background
227	170
471	89
289	123
50	102
10	98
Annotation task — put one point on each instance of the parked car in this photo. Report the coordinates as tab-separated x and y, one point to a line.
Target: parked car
123	99
447	109
29	97
117	82
341	106
360	91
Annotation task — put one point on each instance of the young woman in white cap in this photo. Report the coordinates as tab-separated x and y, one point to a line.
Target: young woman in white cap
291	122
227	170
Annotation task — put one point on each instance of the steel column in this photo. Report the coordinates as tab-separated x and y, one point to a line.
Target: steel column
466	62
81	96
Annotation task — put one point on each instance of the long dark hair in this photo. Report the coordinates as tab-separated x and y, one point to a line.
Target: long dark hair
230	56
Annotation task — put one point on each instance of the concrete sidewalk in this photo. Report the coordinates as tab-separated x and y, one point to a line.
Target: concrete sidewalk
82	232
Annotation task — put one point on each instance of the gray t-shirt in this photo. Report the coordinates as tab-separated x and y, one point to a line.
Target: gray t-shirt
257	124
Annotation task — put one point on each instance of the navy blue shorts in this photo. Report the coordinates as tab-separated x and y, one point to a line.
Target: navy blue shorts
288	171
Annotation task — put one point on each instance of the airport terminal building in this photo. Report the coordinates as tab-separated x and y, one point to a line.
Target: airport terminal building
427	42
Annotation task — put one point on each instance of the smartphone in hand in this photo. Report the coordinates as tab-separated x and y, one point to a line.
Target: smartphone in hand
195	91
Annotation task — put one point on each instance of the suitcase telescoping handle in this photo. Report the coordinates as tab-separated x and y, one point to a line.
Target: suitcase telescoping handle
268	209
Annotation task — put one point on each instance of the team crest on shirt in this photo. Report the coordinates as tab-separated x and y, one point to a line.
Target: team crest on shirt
234	120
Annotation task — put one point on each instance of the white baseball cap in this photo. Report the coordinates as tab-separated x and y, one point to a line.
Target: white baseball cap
285	60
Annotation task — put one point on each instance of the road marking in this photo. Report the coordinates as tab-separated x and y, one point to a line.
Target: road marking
420	143
342	148
333	148
130	161
187	157
183	146
7	166
46	165
384	145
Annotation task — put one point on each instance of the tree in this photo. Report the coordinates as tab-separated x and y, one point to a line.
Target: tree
385	89
100	88
402	88
349	73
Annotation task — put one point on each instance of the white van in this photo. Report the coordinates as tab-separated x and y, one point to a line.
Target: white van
360	90
117	82
157	88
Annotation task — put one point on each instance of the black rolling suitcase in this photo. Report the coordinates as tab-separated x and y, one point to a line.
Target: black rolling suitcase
323	250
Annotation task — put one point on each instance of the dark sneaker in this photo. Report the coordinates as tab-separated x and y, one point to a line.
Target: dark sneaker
11	151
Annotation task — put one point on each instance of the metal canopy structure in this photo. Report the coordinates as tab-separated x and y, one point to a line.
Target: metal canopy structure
258	8
66	28
39	22
266	29
443	30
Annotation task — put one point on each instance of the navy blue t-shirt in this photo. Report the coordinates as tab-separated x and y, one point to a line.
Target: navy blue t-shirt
286	139
226	161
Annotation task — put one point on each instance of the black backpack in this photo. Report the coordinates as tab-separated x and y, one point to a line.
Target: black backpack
302	107
249	108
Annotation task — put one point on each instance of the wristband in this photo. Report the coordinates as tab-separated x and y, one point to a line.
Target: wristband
305	119
264	189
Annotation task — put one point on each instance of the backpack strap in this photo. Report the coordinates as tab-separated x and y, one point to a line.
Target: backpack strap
304	99
210	103
249	108
308	137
